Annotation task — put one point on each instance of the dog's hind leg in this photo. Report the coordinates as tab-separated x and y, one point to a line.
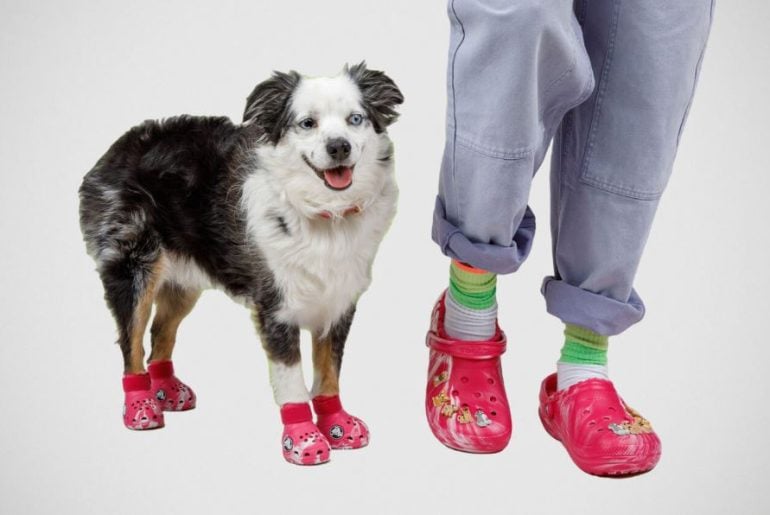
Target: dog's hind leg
343	430
303	444
130	283
172	304
130	268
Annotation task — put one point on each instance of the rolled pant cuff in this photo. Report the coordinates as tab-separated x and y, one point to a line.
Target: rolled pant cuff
487	256
600	314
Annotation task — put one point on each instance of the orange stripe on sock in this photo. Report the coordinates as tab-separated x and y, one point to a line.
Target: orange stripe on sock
468	268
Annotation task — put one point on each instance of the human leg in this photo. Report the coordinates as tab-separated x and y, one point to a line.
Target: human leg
612	158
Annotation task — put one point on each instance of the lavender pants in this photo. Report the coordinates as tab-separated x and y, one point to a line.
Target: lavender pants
610	82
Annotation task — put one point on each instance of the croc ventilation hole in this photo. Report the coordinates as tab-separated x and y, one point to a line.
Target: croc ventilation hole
464	379
477	394
455	393
493	413
490	380
493	399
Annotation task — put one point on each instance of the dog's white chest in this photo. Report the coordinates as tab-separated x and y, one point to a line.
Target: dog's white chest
321	268
321	276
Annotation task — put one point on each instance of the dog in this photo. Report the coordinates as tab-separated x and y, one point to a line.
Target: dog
284	212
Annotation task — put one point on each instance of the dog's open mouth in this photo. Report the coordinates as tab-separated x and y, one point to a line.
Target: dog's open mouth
338	178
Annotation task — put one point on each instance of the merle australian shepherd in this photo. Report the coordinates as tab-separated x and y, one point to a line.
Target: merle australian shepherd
284	212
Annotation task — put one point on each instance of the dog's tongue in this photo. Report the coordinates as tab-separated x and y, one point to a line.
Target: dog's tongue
339	178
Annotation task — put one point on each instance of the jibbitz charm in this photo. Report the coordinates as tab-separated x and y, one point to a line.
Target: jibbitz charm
440	378
465	416
481	419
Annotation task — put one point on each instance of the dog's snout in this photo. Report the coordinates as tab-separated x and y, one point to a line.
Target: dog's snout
338	148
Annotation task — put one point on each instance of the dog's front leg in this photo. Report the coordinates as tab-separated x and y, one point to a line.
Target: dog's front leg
343	430
302	443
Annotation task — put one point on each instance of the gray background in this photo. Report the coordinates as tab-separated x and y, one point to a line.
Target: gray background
74	77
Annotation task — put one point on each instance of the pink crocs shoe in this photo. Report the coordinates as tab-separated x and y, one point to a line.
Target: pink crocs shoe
465	399
602	435
303	444
171	393
140	411
342	430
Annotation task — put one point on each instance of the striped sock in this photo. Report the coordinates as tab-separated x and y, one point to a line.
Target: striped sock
583	356
471	307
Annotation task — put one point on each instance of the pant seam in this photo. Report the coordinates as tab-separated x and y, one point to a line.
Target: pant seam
454	109
697	73
601	90
512	155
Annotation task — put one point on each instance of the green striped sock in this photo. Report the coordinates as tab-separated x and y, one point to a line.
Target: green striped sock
583	346
471	307
475	290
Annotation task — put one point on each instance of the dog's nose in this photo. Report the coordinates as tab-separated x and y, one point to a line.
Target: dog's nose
338	148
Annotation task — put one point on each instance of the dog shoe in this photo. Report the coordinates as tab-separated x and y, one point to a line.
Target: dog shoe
171	393
342	430
602	435
140	410
465	399
303	443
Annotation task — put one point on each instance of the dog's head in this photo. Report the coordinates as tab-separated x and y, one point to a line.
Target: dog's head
324	139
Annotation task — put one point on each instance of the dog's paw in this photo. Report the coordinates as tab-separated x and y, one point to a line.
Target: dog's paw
303	444
343	430
141	412
170	393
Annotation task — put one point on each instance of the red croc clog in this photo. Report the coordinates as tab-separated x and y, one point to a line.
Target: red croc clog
171	393
342	430
140	410
602	435
303	443
465	400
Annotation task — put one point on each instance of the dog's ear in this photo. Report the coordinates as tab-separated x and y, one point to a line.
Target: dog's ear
269	105
380	95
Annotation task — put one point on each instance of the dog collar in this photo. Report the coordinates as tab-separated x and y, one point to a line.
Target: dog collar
349	211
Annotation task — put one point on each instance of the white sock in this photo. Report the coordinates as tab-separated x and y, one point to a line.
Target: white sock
570	373
469	324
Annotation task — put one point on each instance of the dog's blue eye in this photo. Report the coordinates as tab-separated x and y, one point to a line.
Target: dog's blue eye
355	119
307	123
